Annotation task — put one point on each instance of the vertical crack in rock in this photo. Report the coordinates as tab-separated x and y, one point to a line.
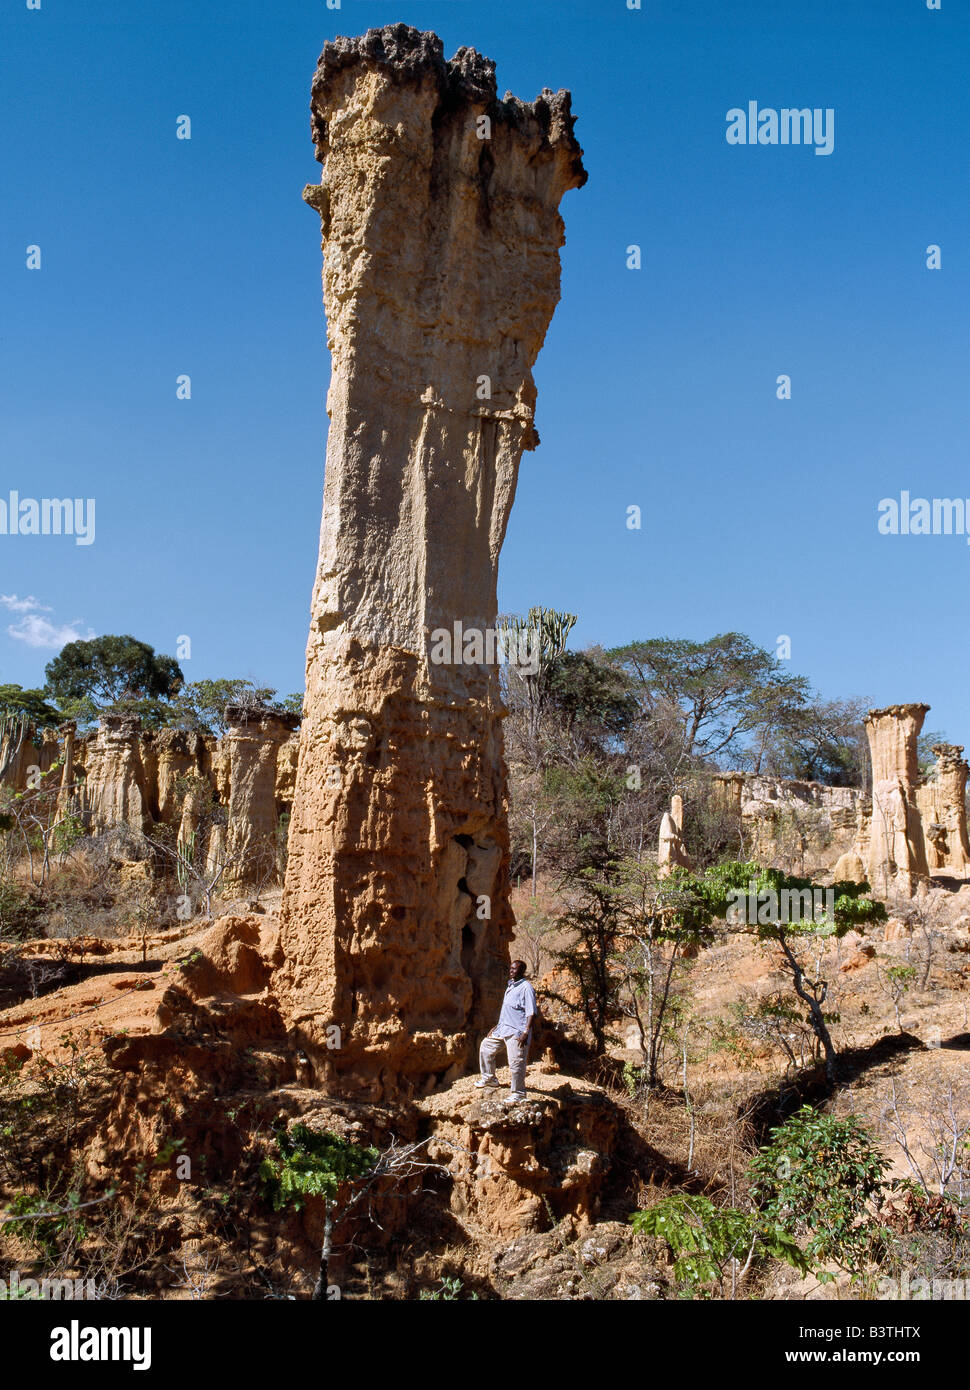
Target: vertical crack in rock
441	274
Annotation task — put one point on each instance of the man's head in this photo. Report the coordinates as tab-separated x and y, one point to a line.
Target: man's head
517	970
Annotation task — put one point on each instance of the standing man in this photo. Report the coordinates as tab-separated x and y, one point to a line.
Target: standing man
514	1029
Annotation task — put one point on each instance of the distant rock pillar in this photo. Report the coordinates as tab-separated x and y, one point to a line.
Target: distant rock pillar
66	798
897	850
671	852
115	783
943	804
253	739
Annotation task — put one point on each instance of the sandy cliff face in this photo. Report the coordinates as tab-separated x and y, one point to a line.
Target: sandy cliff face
441	275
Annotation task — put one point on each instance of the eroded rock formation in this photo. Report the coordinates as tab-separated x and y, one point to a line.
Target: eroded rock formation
115	791
942	804
25	752
510	1168
439	212
178	754
253	739
897	851
671	851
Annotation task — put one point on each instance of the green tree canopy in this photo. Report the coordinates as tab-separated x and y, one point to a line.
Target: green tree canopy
726	689
591	697
202	704
14	699
824	741
112	673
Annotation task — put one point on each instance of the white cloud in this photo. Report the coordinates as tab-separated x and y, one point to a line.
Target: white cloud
40	632
24	605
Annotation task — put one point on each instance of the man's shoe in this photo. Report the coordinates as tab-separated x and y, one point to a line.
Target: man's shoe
486	1085
514	1096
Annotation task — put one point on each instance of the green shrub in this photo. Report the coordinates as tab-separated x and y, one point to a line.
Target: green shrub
822	1177
312	1163
704	1238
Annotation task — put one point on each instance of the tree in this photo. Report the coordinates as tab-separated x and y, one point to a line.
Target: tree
818	1181
725	690
629	929
112	673
561	814
202	704
320	1164
706	1240
825	741
823	1176
592	699
533	645
314	1163
663	921
775	901
14	700
42	818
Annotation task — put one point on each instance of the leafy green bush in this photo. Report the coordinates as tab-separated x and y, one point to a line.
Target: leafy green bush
704	1238
449	1291
312	1163
822	1176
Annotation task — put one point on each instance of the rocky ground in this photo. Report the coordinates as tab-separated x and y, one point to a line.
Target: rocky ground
173	1050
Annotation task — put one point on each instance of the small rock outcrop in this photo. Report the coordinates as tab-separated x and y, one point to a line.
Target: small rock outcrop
513	1165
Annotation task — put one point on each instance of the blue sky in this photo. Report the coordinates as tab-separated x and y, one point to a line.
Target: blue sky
657	387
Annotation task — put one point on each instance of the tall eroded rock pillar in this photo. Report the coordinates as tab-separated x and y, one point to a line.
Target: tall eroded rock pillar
897	851
114	789
441	231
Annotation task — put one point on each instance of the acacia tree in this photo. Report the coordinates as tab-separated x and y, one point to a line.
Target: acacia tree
725	689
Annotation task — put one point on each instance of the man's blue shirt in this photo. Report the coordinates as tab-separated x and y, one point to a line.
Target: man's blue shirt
518	1005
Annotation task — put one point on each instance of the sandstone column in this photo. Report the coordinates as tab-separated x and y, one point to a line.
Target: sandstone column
439	210
253	739
943	806
671	851
114	788
67	795
179	754
897	852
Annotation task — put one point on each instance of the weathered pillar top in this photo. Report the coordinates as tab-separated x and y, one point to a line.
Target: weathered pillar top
406	56
908	711
275	723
